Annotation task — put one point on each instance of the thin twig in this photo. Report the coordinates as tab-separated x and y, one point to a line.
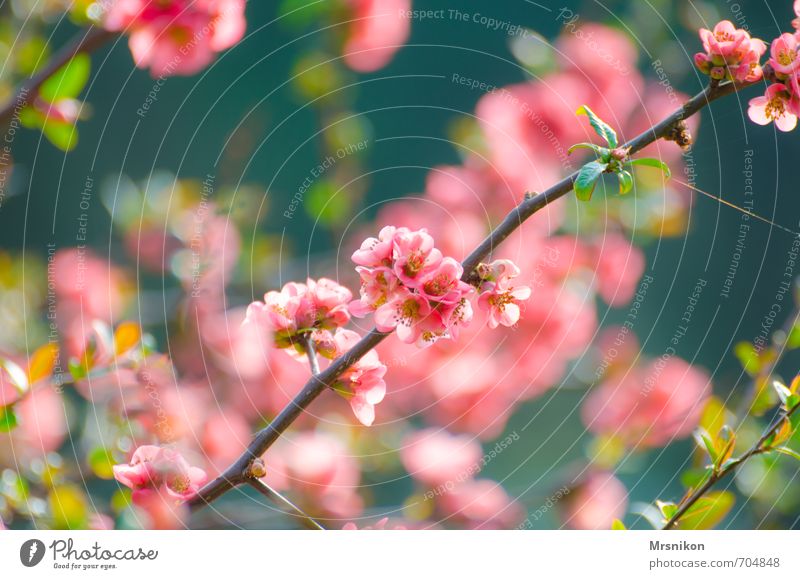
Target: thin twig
86	41
308	342
731	466
235	474
276	497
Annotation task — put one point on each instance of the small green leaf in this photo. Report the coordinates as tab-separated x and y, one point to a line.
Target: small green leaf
601	152
747	357
599	126
655	163
8	420
625	182
788	452
618	525
69	81
704	441
667	509
587	179
62	135
708	511
782	390
793	340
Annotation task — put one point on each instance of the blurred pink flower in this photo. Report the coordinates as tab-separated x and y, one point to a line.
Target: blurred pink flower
595	502
618	267
378	30
158	511
153	466
481	504
435	457
648	406
177	36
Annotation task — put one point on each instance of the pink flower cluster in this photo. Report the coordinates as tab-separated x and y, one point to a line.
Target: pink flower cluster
781	103
412	288
153	467
730	53
177	36
301	308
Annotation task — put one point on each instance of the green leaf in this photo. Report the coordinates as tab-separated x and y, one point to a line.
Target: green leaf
601	152
69	81
747	357
655	163
8	420
704	441
793	340
788	452
792	400
782	390
667	509
62	135
618	525
708	511
599	126
625	182
587	179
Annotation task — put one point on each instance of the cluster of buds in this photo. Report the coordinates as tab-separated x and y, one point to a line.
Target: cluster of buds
730	54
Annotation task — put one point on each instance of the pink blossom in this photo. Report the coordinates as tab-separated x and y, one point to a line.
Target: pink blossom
64	111
776	105
595	502
378	30
497	296
299	308
411	315
152	466
435	457
783	54
796	21
375	252
414	255
362	383
443	284
177	36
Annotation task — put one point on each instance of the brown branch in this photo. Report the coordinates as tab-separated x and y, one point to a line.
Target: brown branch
87	41
236	473
716	476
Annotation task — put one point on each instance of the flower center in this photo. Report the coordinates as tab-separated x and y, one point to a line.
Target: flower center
408	311
724	36
775	108
414	264
787	57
